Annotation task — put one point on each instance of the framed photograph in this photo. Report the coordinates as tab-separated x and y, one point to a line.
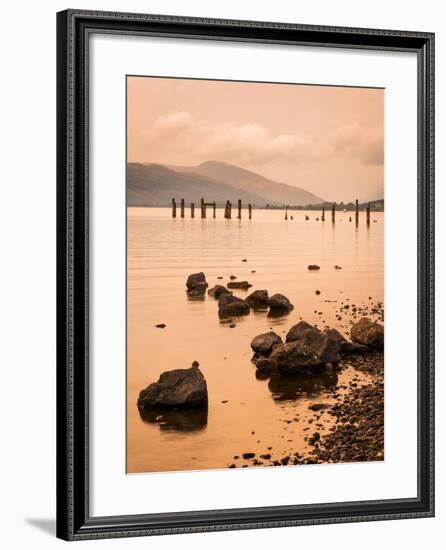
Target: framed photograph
245	275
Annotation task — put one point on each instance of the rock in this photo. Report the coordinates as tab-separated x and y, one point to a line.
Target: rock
247	456
266	456
218	290
278	303
196	283
244	260
229	305
369	334
263	343
320	406
161	325
313	267
296	331
306	349
184	388
337	267
232	277
335	335
239	284
317	292
258	299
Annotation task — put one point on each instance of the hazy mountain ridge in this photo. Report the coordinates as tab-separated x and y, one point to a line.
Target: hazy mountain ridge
272	191
156	185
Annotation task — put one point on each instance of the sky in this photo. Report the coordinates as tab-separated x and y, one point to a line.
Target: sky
328	140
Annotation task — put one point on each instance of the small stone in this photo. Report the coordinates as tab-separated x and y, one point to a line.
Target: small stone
313	267
161	325
317	292
247	456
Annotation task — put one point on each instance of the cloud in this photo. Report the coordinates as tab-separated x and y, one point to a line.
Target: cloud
184	138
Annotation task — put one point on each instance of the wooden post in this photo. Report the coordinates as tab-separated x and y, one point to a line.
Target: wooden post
356	212
192	210
203	208
239	205
182	208
174	209
229	210
333	212
214	207
286	212
368	214
250	211
323	214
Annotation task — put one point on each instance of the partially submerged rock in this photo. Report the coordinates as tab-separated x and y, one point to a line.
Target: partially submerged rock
258	299
231	306
196	284
185	388
279	304
297	330
218	290
344	345
313	267
369	334
263	344
239	284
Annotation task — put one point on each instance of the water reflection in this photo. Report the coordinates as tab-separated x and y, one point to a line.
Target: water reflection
190	420
290	388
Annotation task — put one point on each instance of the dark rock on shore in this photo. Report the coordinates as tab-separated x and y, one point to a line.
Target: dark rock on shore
313	267
176	388
258	299
279	304
239	284
231	306
296	331
264	366
263	343
344	345
196	284
306	348
161	325
369	334
218	290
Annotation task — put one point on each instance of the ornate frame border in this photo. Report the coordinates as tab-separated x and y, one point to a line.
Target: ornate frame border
73	30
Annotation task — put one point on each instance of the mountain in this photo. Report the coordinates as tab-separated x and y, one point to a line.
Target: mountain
157	185
272	192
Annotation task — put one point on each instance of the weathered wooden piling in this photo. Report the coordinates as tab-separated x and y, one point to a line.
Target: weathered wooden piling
182	208
229	209
333	212
239	208
250	211
174	209
192	210
356	212
323	214
214	209
368	214
203	208
286	212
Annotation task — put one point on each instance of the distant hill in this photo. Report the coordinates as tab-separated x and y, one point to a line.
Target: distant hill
272	192
156	185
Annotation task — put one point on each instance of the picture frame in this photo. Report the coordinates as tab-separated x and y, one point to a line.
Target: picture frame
74	519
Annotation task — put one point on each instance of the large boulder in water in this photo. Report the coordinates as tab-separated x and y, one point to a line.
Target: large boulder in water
185	388
258	299
218	290
369	334
279	304
263	344
196	284
231	306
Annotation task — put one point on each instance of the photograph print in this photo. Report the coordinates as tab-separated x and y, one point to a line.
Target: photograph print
255	274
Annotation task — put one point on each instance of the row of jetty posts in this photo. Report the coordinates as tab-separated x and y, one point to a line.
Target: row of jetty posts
333	213
204	205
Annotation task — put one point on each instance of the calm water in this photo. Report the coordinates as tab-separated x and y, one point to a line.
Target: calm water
244	414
